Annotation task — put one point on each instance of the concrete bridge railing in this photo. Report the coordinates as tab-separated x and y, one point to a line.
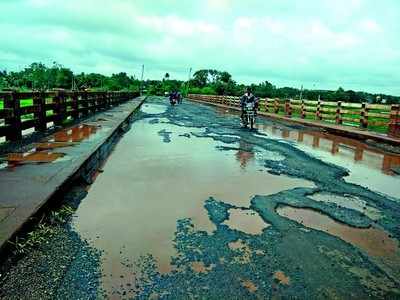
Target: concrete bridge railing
35	110
378	117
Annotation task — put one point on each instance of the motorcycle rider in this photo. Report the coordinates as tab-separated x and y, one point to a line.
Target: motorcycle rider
246	98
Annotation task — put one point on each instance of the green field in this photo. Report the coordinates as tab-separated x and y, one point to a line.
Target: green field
25	102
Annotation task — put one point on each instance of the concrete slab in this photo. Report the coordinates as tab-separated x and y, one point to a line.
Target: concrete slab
28	180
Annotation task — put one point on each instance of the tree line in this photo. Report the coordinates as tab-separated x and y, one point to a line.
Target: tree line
38	76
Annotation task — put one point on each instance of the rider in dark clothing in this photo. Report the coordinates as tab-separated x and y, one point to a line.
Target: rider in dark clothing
246	98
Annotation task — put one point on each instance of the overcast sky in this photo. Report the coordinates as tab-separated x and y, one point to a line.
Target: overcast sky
319	43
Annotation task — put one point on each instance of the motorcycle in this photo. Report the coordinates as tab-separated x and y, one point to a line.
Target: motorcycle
172	100
249	116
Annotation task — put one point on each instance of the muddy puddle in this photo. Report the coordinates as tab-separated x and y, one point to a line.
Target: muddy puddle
153	109
75	134
247	221
50	150
281	278
150	182
368	166
349	202
374	241
34	156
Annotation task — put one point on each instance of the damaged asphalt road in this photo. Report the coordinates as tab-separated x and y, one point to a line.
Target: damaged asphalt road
304	248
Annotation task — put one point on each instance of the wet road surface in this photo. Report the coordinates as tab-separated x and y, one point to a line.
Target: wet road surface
190	205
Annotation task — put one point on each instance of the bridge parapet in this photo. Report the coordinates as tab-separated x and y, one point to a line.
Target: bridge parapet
377	117
26	110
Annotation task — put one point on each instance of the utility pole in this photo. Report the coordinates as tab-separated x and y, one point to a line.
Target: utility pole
141	81
301	93
188	83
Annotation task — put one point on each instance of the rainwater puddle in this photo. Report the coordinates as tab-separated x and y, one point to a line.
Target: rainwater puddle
373	241
153	109
349	202
281	278
199	267
249	285
369	167
75	134
32	157
246	221
49	146
147	185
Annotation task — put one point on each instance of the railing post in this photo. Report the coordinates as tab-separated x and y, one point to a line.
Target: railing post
394	124
75	105
339	113
364	116
92	102
276	105
11	101
107	97
318	114
85	103
303	109
60	108
288	108
39	101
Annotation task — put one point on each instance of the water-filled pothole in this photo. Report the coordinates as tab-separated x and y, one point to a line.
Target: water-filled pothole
247	221
374	241
153	109
350	202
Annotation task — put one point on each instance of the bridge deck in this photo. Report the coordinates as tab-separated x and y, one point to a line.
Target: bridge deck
28	180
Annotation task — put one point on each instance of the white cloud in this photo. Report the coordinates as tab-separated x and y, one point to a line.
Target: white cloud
282	41
370	26
177	26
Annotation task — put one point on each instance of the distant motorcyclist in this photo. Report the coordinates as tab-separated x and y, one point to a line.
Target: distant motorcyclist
172	97
246	98
179	97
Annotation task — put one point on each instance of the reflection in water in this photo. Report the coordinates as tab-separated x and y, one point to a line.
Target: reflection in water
153	109
336	145
32	157
368	167
75	134
245	154
148	185
42	152
52	145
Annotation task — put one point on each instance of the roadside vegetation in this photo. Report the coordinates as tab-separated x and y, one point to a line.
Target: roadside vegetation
38	76
43	231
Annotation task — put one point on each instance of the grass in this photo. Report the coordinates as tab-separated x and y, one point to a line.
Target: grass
24	102
42	231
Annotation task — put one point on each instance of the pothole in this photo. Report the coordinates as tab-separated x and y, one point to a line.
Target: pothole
281	278
247	221
374	241
349	202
